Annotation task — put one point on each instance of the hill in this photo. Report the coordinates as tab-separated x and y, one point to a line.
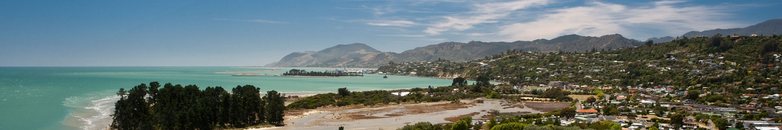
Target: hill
767	28
361	55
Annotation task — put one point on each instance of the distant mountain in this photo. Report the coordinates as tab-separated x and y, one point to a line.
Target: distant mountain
361	55
456	51
662	39
343	55
769	27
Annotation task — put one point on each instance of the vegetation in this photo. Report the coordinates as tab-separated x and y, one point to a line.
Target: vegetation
299	72
728	65
375	97
514	125
188	107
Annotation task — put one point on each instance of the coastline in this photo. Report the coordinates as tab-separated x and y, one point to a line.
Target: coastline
95	112
92	106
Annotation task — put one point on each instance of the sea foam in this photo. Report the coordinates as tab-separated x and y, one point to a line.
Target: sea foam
90	113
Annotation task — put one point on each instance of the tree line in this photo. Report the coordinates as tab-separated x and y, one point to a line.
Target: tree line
300	72
175	107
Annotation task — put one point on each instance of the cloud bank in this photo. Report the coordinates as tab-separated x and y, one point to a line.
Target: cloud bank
535	19
480	14
600	18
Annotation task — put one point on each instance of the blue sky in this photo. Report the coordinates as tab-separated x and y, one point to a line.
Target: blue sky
252	33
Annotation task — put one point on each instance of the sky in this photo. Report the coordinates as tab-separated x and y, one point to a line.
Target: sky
255	33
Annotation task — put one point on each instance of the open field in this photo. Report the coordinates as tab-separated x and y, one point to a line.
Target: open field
398	115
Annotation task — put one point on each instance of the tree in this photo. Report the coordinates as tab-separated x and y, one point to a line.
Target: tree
677	120
343	92
421	126
693	94
611	110
655	126
568	112
275	107
153	90
591	100
769	47
720	123
462	124
132	112
556	93
649	43
246	107
188	107
458	81
510	126
739	125
122	92
492	122
482	81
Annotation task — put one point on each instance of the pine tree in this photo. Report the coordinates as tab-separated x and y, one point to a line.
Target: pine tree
275	107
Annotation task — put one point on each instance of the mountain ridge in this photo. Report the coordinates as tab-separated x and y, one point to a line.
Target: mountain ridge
362	55
768	27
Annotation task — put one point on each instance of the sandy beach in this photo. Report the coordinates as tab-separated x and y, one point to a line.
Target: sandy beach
396	115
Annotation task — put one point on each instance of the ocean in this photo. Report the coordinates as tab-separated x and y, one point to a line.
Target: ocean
77	98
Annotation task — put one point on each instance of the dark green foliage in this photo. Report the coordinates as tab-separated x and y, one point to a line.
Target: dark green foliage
693	94
462	124
381	97
246	106
482	81
568	112
343	92
510	126
153	90
556	93
315	101
591	100
131	112
331	99
610	110
738	125
275	108
677	120
176	107
459	81
721	123
719	64
298	72
422	126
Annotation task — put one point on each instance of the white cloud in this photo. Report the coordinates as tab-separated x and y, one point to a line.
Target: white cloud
480	14
391	23
600	18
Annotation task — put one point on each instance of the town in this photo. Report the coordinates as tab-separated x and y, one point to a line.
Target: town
716	82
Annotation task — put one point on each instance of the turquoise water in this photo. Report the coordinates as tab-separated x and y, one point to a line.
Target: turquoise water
82	97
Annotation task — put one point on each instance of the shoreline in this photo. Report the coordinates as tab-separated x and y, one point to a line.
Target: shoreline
94	112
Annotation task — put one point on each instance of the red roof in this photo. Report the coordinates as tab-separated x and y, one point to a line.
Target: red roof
586	111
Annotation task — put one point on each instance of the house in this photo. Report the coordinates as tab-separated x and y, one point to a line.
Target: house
586	112
761	125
